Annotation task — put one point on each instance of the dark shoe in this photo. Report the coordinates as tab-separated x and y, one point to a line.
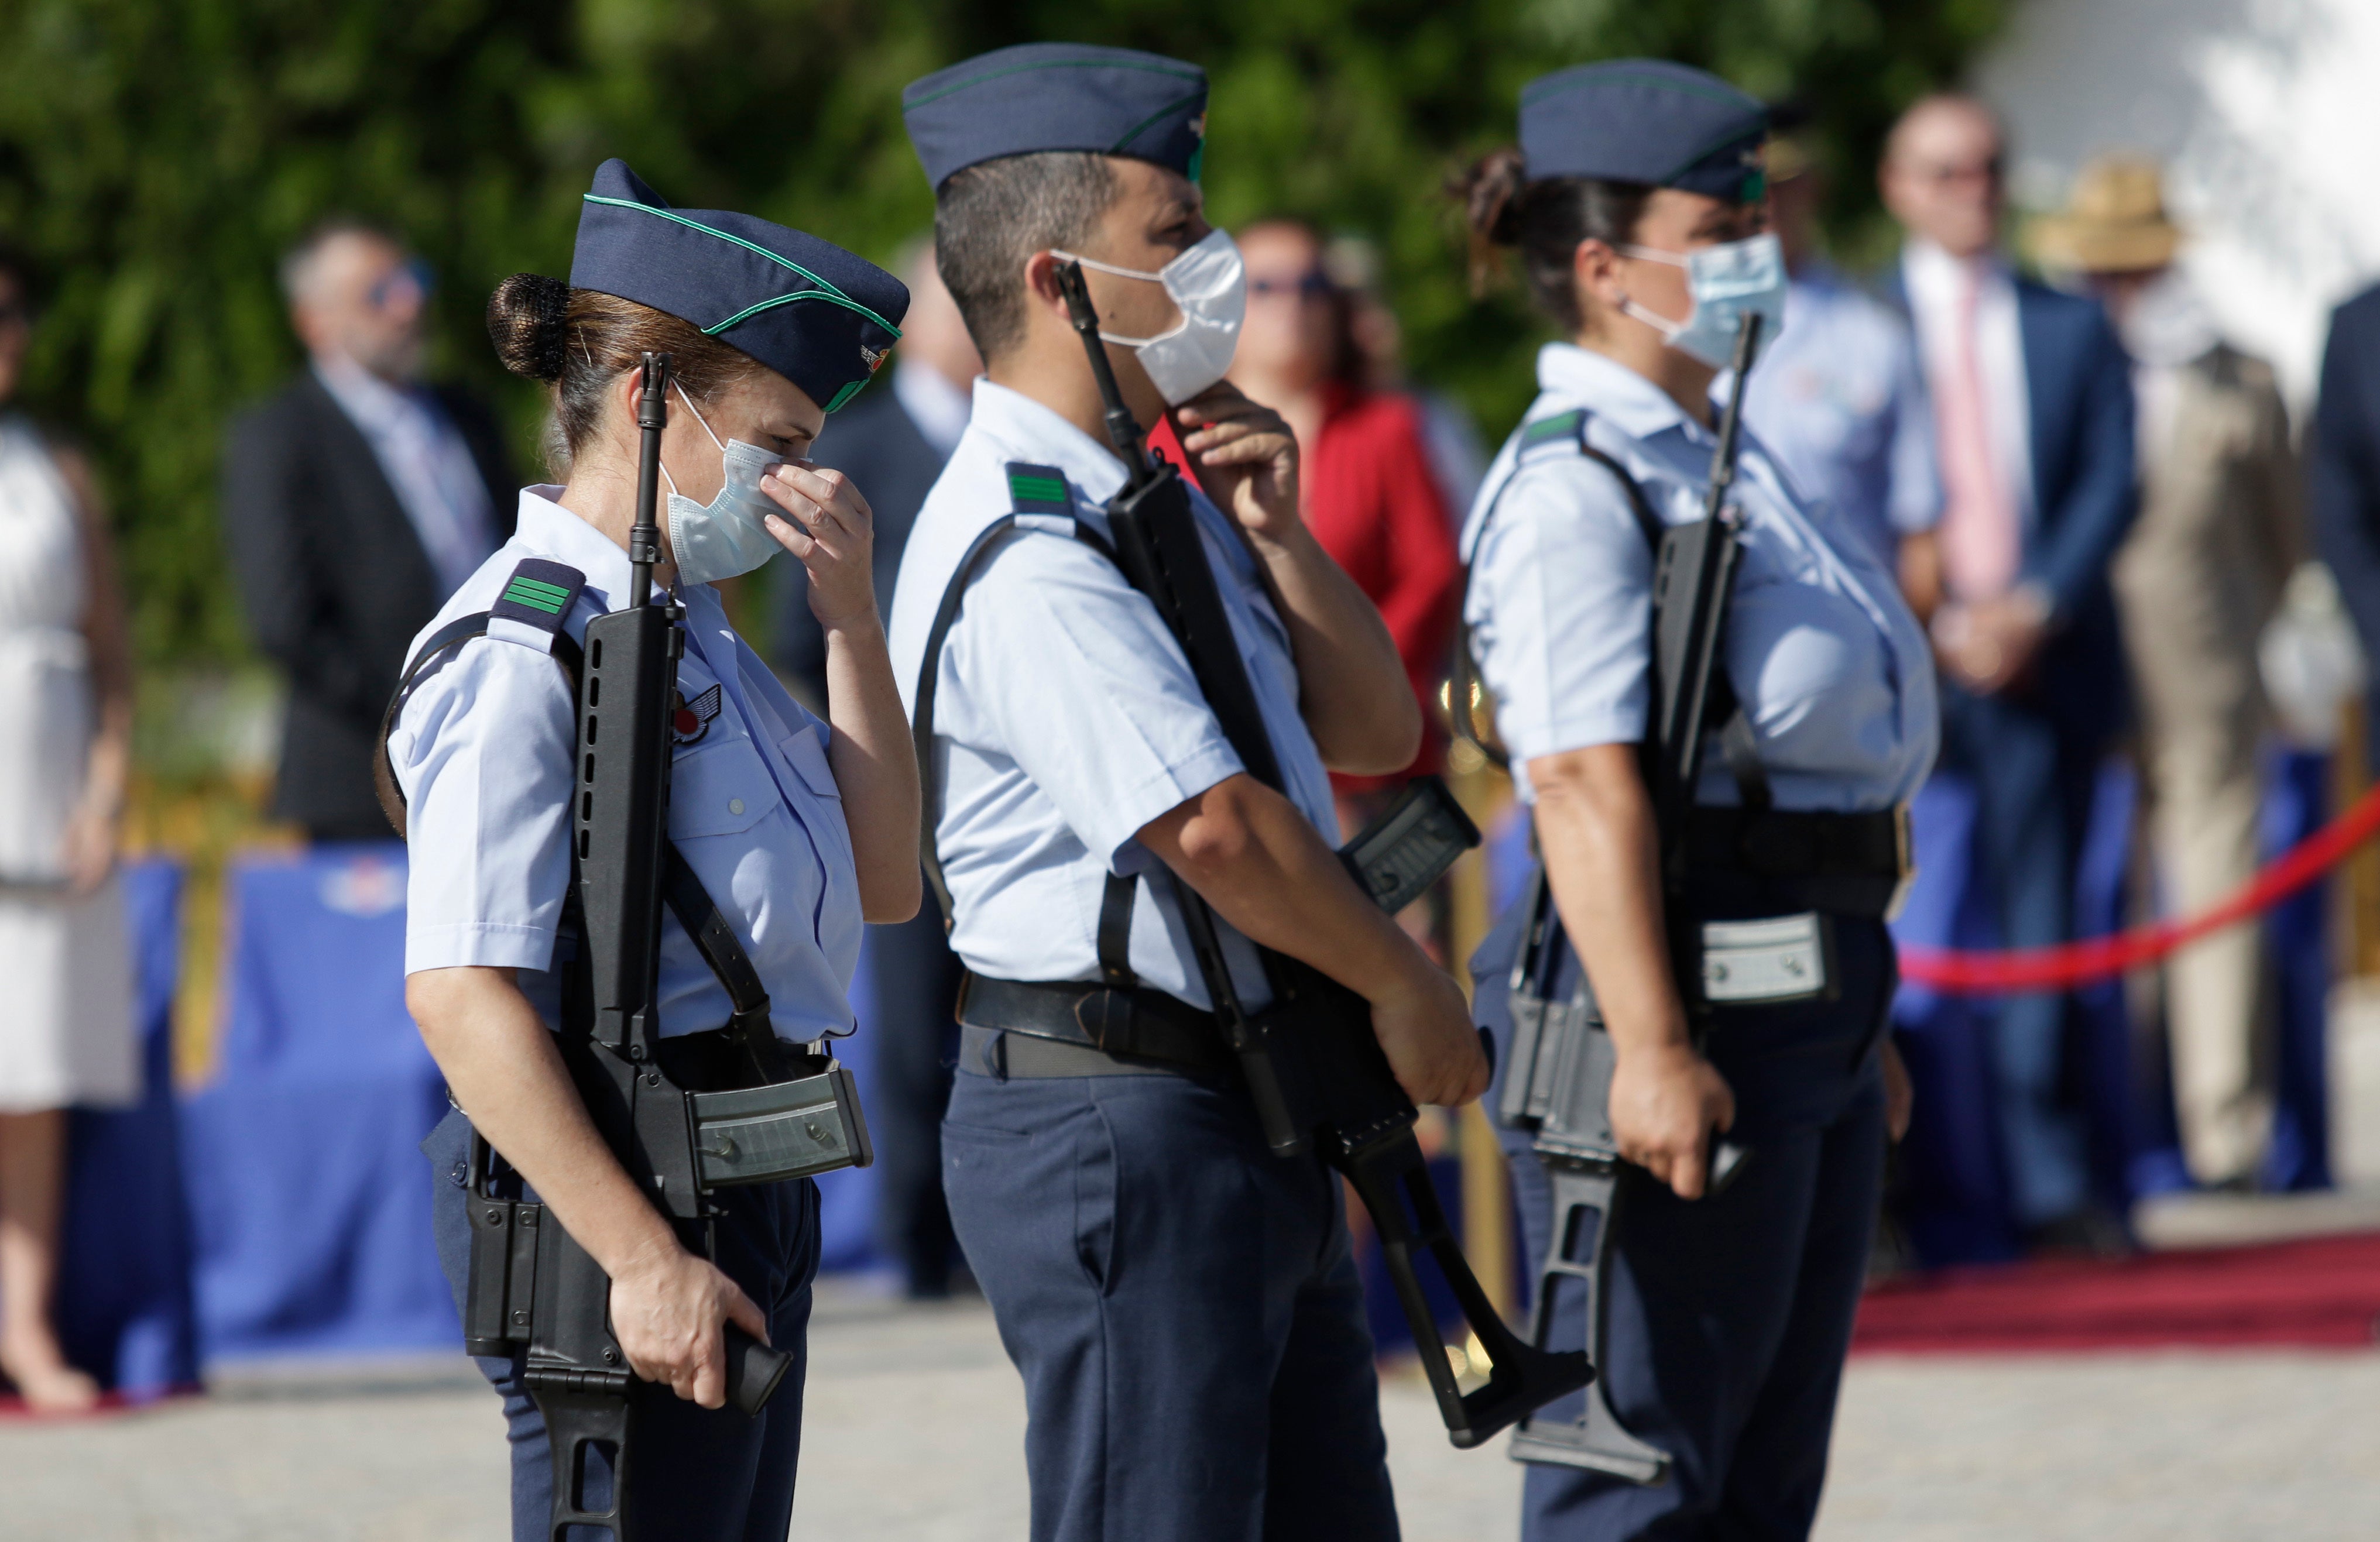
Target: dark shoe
2088	1232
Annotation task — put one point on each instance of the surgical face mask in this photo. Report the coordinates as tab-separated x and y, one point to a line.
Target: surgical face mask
1210	287
727	536
1726	282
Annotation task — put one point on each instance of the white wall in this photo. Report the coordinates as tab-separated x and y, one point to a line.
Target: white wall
2267	114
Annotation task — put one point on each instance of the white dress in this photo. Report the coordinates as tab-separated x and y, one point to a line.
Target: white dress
65	970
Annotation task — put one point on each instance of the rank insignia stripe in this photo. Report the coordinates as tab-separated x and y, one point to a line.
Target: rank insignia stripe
538	594
1039	488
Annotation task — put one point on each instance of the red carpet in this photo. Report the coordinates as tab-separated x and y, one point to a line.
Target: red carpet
2325	1292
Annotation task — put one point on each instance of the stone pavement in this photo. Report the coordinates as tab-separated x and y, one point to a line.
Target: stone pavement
915	1421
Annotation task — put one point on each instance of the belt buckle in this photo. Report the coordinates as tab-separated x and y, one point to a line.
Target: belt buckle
1904	855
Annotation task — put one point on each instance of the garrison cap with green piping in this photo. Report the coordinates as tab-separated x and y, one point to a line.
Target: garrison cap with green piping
807	309
1043	96
1645	121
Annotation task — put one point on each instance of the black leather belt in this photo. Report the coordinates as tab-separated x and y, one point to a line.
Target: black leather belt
1134	1029
1846	864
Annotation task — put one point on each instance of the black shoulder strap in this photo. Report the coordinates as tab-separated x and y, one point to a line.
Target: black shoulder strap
1034	490
714	937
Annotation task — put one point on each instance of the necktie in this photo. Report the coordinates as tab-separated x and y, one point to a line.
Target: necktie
1981	545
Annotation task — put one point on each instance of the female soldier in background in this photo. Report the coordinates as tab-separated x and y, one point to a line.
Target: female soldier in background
1729	1314
799	829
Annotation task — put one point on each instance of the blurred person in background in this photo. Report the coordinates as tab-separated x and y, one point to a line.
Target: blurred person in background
65	732
1457	454
1369	491
356	500
2343	480
893	439
2196	582
1838	396
2032	405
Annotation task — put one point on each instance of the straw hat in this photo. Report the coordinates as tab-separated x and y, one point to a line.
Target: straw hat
2114	221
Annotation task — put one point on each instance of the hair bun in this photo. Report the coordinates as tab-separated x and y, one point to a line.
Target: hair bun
528	322
1489	190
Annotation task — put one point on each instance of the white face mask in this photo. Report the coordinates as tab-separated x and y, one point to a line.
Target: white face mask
1210	287
727	536
1726	282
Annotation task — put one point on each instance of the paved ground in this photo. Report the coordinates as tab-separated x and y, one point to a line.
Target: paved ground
914	1422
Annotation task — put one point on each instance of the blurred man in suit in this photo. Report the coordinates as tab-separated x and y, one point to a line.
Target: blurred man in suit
2343	477
356	499
893	440
2033	426
2196	584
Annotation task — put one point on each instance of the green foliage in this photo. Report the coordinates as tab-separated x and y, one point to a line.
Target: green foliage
157	155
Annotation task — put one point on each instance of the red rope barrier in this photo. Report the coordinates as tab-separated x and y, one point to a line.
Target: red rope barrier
2098	958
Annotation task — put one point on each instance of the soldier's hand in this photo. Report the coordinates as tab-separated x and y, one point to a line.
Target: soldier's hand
1245	457
667	1312
1665	1104
1423	1026
832	532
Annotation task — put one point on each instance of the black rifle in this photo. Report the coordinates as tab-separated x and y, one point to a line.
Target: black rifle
1312	1062
1558	1081
531	1285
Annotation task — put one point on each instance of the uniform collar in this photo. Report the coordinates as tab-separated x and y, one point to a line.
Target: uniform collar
1611	390
552	530
1028	431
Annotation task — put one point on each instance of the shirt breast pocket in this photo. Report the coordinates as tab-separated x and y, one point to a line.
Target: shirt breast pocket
719	789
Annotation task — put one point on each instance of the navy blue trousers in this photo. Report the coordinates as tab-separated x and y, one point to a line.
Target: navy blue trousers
2033	773
1728	1317
696	1474
1184	1308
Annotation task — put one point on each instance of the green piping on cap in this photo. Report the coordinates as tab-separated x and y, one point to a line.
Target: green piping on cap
824	291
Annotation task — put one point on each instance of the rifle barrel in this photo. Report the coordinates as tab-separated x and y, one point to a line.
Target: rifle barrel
1747	347
1124	430
645	534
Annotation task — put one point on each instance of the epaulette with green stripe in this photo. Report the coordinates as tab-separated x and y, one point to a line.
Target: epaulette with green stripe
1038	490
1563	426
538	594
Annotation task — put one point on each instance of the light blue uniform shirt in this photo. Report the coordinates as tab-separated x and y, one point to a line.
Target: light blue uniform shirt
1066	717
1840	399
1831	668
483	752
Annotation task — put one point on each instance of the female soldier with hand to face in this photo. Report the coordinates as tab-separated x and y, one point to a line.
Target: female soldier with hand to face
799	829
1635	204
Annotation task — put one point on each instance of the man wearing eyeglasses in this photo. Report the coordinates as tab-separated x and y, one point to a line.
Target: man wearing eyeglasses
356	500
2033	412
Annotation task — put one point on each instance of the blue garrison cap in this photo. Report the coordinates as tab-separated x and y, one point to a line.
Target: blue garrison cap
1041	96
807	309
1645	121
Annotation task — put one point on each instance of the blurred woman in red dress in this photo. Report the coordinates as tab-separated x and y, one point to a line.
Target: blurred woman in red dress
1369	491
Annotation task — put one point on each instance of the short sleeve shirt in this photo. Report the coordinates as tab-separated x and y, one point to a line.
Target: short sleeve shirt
483	750
1832	670
1066	716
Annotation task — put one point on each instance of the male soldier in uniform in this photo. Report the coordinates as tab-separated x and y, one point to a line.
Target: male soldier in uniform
1183	1303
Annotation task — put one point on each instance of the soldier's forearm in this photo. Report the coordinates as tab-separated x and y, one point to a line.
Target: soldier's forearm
1258	862
1595	824
502	1065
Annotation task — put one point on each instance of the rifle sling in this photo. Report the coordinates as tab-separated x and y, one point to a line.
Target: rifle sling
1116	901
